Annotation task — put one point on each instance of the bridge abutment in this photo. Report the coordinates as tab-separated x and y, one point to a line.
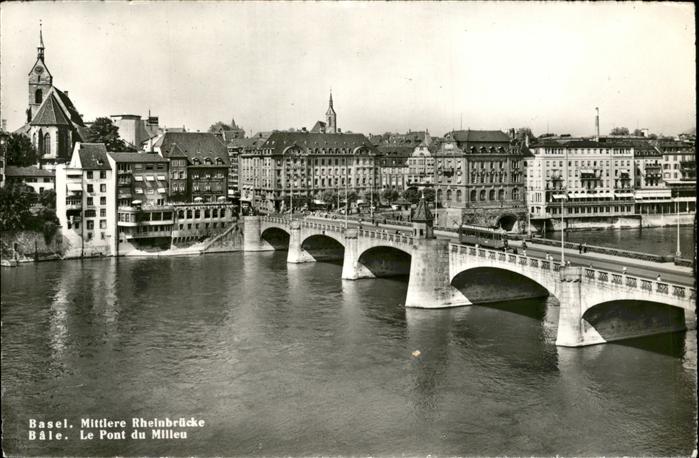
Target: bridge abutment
429	285
252	235
297	254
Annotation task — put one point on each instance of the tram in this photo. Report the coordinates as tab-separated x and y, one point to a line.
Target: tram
483	236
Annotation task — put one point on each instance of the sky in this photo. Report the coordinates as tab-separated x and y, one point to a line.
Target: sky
392	66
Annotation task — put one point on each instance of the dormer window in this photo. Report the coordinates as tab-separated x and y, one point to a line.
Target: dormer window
207	161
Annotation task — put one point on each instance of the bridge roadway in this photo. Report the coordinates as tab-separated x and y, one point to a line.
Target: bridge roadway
668	271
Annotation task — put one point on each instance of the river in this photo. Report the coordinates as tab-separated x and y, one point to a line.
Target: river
656	240
284	359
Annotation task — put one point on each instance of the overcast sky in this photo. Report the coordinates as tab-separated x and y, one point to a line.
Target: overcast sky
392	66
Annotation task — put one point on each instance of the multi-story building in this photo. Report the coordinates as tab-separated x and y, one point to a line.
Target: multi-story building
395	150
305	165
679	172
580	181
421	164
144	216
235	148
134	130
86	201
207	164
39	180
479	174
650	193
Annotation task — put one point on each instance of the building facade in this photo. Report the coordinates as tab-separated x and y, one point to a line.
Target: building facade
580	180
86	201
480	175
39	180
303	166
207	165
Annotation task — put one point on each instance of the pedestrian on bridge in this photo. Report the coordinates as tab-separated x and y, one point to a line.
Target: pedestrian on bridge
580	248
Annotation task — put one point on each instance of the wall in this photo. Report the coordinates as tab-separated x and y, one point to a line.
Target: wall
27	246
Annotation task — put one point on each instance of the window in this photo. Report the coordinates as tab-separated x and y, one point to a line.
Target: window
103	224
90	201
103	212
38	96
103	174
103	188
89	174
103	200
90	224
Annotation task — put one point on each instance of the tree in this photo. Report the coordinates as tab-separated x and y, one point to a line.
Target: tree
48	198
620	131
218	125
19	151
104	131
429	194
524	132
390	195
411	195
638	133
329	197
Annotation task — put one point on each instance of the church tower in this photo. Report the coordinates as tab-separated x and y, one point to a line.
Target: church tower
331	117
40	80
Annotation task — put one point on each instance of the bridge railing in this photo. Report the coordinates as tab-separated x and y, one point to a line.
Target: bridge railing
590	274
398	237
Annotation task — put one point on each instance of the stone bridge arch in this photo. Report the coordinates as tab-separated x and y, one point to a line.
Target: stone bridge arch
323	247
488	284
384	261
620	319
275	236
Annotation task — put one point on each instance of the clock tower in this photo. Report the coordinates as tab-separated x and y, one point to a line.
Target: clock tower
40	80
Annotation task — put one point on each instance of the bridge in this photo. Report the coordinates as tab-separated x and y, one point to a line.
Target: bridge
596	306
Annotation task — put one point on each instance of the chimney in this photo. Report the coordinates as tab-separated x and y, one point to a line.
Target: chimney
66	92
597	124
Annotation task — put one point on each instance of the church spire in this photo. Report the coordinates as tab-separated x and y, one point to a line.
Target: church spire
40	49
331	98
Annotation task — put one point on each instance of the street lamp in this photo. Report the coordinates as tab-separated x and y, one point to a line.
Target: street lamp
346	190
678	253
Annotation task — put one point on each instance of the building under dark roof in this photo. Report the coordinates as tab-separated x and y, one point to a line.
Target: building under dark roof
137	157
197	146
317	143
15	171
93	156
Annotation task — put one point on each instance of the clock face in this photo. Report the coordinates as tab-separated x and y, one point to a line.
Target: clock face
38	69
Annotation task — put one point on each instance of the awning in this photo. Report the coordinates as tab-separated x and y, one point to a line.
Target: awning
161	190
150	178
138	178
161	177
74	187
560	196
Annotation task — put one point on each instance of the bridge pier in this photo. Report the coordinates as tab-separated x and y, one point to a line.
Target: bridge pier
252	235
429	285
297	254
352	269
570	322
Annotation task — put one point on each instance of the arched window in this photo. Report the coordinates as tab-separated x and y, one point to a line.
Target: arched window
439	195
491	195
38	96
448	195
47	144
36	145
515	194
219	161
501	194
208	161
196	161
458	195
482	195
473	195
